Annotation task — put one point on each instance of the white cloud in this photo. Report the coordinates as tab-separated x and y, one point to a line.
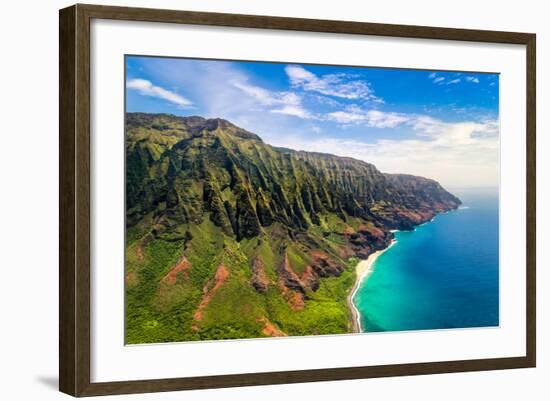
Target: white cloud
343	86
146	88
381	119
454	81
426	125
325	100
287	103
372	118
474	80
455	154
296	111
266	97
438	79
432	75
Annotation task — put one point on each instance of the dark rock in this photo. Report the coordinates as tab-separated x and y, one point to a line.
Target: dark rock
287	275
260	281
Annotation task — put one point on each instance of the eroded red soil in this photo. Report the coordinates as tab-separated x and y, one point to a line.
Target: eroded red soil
210	289
182	266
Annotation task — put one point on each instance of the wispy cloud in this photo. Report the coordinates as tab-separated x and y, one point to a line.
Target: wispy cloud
264	96
290	103
337	85
440	80
325	100
287	103
296	111
146	88
371	118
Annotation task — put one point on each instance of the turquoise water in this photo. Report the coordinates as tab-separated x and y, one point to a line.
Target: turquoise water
442	275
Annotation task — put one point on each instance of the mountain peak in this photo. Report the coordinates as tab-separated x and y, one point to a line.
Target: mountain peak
214	124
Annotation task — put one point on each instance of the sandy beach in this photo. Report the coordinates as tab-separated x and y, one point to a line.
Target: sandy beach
363	270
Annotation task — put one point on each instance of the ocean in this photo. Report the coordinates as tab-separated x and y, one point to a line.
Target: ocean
443	275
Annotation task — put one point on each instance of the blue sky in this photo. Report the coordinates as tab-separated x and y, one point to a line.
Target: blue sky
443	125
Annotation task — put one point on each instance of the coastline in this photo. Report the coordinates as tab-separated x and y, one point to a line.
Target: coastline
363	270
365	267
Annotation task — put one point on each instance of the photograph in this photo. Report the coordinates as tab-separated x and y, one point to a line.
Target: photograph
269	201
282	199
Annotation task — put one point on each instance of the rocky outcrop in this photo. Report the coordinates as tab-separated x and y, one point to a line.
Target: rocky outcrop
325	266
321	266
310	278
288	277
366	240
260	281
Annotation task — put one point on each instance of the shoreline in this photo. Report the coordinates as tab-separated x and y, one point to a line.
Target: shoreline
363	270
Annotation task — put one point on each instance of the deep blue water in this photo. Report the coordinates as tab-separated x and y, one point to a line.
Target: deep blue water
442	275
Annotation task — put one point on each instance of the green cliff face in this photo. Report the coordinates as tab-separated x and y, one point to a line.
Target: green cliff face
228	237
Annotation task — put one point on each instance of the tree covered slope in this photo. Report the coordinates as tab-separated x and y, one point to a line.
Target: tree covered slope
229	237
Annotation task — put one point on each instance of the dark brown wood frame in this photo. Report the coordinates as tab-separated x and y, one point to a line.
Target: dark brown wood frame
74	199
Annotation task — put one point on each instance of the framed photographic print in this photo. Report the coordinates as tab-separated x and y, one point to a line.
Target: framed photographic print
250	200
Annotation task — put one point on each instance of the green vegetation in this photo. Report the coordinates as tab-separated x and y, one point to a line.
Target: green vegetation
228	237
